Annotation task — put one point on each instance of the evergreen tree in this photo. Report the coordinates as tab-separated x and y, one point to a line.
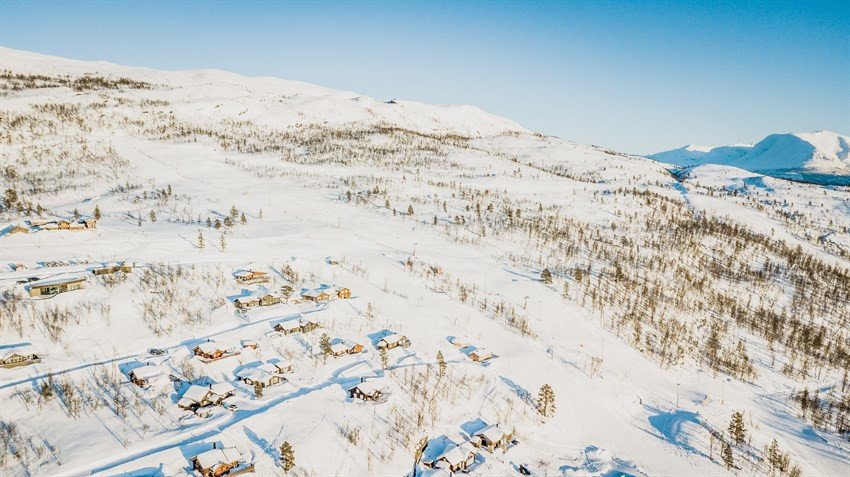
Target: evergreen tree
209	222
737	431
287	456
260	215
97	213
727	455
441	364
410	210
435	220
546	276
546	401
286	291
325	345
153	215
217	224
566	292
243	219
201	243
222	244
234	212
39	210
228	222
76	213
258	389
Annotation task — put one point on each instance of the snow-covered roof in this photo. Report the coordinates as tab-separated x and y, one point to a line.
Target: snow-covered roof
313	293
215	457
393	338
196	393
185	402
243	273
290	325
147	372
58	281
370	387
7	352
210	347
247	299
222	388
492	432
340	347
459	342
457	454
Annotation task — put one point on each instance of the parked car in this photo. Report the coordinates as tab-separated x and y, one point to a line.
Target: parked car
156	351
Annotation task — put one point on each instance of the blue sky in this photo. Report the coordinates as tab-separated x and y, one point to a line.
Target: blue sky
638	76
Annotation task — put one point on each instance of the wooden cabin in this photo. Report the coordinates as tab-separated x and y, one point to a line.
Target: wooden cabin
249	277
63	224
316	295
491	437
260	375
209	350
245	302
456	459
250	344
342	348
341	292
110	269
269	299
89	223
54	287
296	326
21	355
367	391
144	375
392	341
480	355
218	462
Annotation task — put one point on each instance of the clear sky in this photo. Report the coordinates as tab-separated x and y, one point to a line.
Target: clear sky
638	76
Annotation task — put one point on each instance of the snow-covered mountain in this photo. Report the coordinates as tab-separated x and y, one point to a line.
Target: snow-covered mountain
820	156
221	215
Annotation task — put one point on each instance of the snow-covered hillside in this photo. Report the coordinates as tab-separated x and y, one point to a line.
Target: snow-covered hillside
649	306
820	157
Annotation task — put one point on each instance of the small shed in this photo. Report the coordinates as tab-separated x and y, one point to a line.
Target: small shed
456	459
249	277
344	347
244	302
270	299
491	437
480	355
316	295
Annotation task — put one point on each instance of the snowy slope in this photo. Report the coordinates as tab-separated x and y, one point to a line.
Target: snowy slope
815	155
441	220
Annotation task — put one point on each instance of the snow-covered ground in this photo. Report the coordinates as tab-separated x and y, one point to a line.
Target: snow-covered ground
440	220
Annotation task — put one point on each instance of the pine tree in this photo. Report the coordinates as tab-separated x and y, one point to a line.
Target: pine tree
153	215
260	215
209	222
435	220
287	456
325	345
222	244
217	224
258	389
410	210
441	364
97	213
566	292
39	210
76	213
234	212
201	243
546	401
243	219
385	359
727	455
546	276
737	431
286	291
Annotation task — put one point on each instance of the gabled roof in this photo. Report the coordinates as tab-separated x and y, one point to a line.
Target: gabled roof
456	454
210	347
289	325
222	388
197	393
9	351
314	293
492	432
393	338
247	299
147	372
216	457
370	387
58	281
